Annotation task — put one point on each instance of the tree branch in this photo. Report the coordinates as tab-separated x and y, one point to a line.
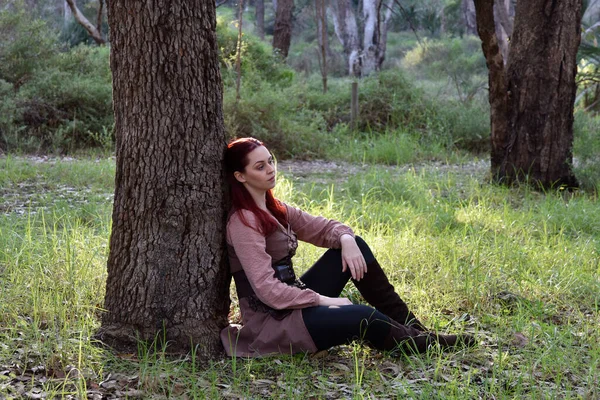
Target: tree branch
83	21
99	16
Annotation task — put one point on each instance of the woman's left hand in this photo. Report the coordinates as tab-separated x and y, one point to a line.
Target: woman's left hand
352	258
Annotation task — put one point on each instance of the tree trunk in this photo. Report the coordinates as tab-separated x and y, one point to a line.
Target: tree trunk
282	31
67	14
346	29
382	47
166	268
370	37
469	18
321	17
260	18
532	98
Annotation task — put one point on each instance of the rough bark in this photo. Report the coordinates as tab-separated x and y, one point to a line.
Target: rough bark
92	30
532	98
166	271
259	13
282	30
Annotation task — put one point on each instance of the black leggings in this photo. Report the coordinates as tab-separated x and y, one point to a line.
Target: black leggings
332	326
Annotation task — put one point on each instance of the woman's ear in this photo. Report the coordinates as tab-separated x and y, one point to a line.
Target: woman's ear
239	176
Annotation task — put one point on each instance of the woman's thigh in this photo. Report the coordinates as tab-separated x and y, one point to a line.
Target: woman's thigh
333	326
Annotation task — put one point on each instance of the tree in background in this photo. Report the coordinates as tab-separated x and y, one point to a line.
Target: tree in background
282	31
532	97
95	31
259	13
365	53
166	268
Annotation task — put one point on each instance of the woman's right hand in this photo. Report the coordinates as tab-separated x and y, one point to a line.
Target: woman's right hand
334	301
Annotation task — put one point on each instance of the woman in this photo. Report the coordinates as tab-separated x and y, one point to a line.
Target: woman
281	314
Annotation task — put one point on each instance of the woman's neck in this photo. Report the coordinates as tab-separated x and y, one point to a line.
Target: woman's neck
260	198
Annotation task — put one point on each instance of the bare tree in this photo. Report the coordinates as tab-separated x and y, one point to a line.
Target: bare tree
94	31
532	97
166	267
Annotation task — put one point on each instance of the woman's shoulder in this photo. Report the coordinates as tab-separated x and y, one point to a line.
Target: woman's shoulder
242	219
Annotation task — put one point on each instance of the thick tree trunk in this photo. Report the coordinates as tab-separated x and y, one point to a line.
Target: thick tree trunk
166	268
260	18
532	98
282	31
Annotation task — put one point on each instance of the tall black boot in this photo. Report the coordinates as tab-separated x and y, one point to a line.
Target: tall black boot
410	340
379	292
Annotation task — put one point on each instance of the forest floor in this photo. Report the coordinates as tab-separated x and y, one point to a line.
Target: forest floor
516	268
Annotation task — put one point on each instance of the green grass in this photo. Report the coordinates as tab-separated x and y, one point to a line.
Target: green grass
518	268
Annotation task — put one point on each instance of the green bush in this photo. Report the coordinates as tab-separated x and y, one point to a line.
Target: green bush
68	102
27	44
257	59
460	61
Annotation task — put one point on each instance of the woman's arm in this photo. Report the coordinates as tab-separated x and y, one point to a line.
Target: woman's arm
250	248
319	231
329	233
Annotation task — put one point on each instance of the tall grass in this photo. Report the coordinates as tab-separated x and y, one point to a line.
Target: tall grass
517	268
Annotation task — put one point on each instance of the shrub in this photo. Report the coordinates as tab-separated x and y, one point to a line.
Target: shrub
460	61
27	44
257	59
65	104
586	150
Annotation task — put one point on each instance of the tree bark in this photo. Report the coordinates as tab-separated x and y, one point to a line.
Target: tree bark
260	18
282	31
93	31
532	99
166	268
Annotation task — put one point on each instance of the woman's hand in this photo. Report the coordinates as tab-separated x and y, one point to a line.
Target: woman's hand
352	258
334	301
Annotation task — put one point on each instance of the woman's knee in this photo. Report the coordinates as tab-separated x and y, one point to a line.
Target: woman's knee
364	249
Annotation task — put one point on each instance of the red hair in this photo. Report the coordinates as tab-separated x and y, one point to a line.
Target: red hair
236	159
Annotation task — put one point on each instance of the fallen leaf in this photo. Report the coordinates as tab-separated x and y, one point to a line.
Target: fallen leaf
520	340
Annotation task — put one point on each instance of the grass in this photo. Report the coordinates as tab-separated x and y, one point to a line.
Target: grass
518	268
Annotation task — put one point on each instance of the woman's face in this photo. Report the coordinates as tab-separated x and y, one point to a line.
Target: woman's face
259	174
